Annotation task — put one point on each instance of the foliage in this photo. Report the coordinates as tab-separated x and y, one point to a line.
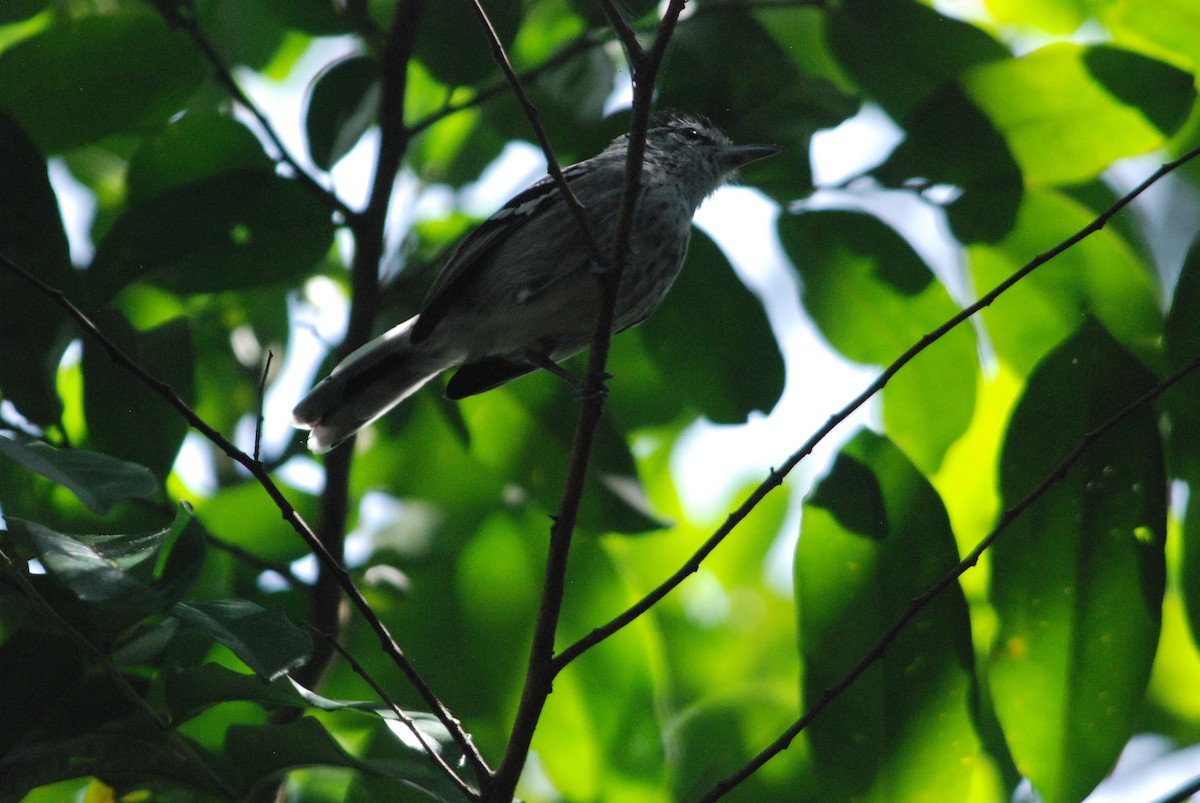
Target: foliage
151	624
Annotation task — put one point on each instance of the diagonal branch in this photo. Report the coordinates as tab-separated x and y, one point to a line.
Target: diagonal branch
776	476
880	647
289	513
627	35
186	22
539	131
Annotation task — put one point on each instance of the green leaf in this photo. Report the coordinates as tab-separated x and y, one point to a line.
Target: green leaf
125	418
126	756
1102	276
873	297
99	480
1077	580
905	729
265	640
17	10
96	568
902	52
1038	100
709	312
244	228
950	140
112	88
342	105
32	336
197	146
261	751
452	45
1169	29
525	434
765	100
1162	93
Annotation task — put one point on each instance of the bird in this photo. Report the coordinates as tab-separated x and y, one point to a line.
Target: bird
521	293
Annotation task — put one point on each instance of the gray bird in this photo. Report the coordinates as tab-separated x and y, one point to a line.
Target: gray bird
520	292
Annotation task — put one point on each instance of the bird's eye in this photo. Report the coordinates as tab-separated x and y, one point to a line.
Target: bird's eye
692	134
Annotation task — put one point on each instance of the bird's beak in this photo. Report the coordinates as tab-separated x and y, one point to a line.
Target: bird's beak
734	156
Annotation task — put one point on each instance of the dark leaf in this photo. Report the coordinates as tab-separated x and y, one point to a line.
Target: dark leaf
712	342
99	480
265	640
111	90
32	328
342	105
245	228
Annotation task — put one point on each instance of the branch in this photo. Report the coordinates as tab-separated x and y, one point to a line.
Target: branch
290	515
776	476
171	13
585	41
531	112
880	647
422	739
628	36
541	670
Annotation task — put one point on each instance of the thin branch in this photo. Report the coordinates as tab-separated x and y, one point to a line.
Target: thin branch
627	35
430	748
531	113
775	476
582	43
256	469
918	603
541	668
260	563
186	22
258	424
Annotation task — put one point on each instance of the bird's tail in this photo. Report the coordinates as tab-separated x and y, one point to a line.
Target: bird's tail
364	386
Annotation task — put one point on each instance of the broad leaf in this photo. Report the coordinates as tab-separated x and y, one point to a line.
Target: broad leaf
874	536
265	640
112	89
32	328
342	105
709	314
1077	580
874	297
99	480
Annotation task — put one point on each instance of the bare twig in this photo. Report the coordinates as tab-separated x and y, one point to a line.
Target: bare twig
258	424
531	113
627	35
173	14
256	469
584	42
430	747
775	476
918	603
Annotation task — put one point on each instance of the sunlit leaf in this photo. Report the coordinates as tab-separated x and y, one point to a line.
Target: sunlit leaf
1036	102
873	298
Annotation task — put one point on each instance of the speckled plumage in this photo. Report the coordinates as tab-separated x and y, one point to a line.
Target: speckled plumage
521	289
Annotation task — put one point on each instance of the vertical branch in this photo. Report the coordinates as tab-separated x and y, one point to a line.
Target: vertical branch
326	611
541	669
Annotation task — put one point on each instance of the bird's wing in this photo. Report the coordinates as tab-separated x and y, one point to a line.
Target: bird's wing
473	253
